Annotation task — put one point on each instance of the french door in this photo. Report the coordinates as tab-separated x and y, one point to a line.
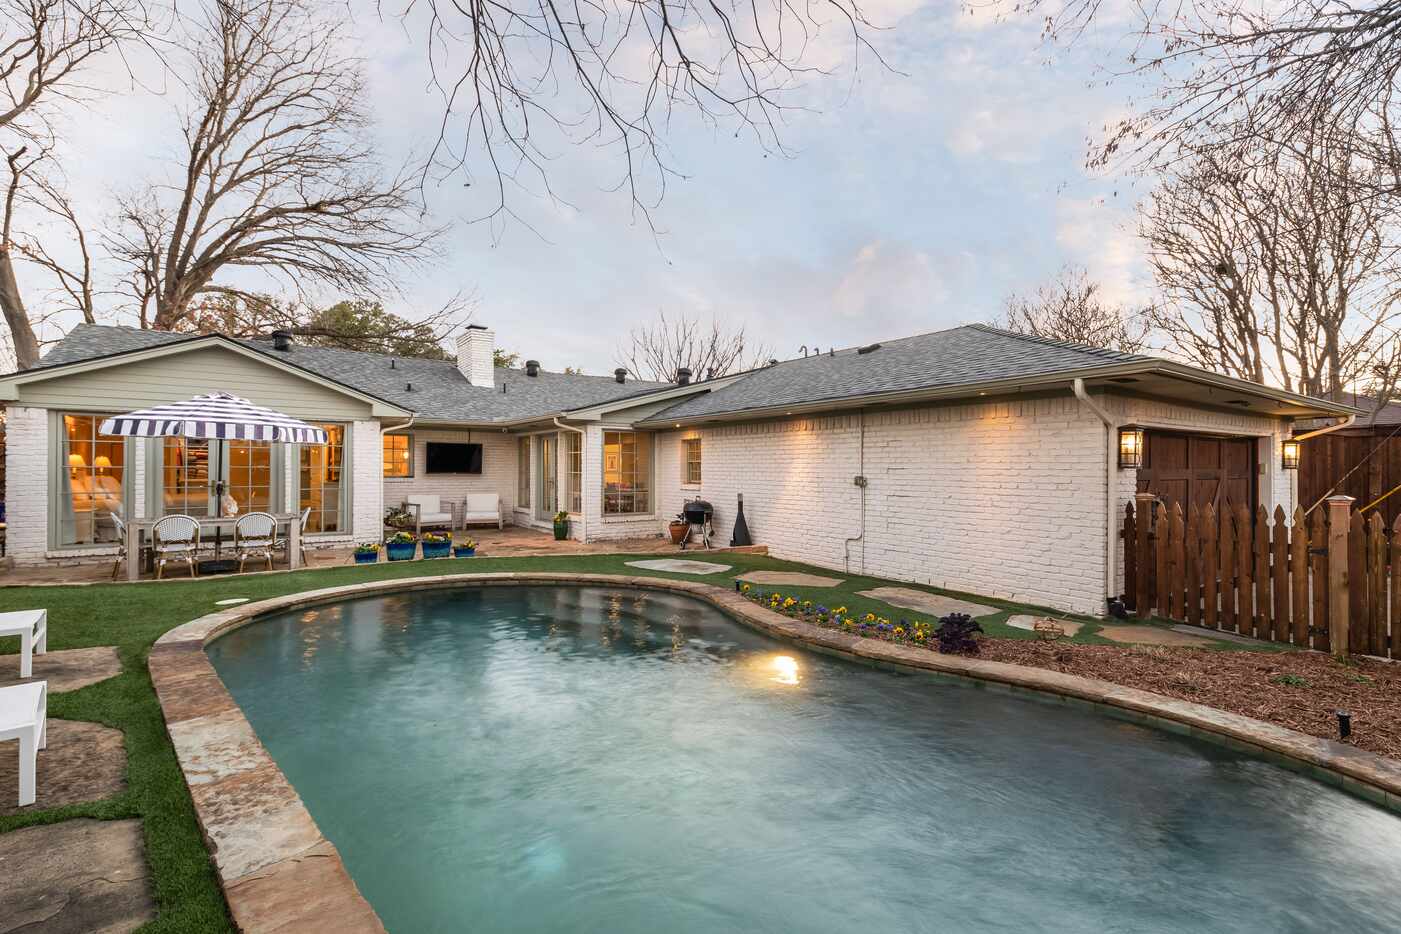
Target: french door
546	477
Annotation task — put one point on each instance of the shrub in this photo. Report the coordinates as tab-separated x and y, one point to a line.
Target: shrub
957	634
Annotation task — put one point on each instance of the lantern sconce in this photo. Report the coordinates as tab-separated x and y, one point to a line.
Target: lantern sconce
1130	448
1289	455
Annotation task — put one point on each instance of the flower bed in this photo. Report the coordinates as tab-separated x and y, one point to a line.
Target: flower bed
954	634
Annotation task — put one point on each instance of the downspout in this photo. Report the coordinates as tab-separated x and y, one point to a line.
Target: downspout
584	533
861	485
1111	466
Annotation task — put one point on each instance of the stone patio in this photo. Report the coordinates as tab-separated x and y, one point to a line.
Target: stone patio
679	566
65	670
790	579
82	762
934	604
76	877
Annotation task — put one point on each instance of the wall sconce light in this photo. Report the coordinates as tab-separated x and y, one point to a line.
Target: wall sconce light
1289	455
1130	448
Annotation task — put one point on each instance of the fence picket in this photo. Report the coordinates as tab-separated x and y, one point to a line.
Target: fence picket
1129	538
1299	577
1192	562
1176	549
1279	576
1245	587
1318	565
1358	628
1210	580
1395	641
1161	528
1226	568
1376	584
1263	629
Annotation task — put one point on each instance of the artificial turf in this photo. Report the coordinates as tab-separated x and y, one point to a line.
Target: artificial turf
133	616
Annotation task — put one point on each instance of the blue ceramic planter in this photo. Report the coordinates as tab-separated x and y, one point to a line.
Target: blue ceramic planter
403	551
436	549
464	551
366	557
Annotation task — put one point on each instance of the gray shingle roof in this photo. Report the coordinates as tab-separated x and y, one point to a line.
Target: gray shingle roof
439	391
967	355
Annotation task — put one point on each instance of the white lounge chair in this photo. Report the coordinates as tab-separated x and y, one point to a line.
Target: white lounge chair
428	512
482	507
32	627
24	710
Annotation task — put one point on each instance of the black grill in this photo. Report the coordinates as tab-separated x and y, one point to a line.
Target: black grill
697	512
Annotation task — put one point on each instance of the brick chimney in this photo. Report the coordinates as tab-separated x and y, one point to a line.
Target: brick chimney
474	355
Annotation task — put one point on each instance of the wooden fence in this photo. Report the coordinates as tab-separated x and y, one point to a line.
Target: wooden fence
1324	581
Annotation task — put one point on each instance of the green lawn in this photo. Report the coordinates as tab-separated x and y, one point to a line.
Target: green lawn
133	616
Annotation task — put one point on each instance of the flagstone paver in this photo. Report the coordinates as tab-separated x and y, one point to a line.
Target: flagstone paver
75	877
680	566
82	762
932	603
65	670
1028	622
1150	635
790	579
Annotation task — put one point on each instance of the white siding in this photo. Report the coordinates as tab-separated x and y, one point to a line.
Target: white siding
27	484
498	468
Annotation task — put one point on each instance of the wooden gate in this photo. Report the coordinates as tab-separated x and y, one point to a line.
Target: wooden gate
1325	581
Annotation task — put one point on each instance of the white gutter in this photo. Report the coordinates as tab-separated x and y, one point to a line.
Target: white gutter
1345	423
560	424
1111	466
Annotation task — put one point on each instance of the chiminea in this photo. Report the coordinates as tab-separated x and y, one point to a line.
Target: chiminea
740	535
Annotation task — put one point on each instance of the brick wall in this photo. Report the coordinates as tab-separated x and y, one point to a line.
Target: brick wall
27	484
1000	498
498	469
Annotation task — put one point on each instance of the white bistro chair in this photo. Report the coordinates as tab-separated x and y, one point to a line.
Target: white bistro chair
254	537
176	538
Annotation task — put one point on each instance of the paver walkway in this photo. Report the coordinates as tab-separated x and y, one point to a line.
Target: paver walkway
790	579
932	603
76	877
679	566
82	762
1151	635
1028	622
67	670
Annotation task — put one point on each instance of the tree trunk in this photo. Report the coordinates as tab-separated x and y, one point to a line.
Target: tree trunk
21	331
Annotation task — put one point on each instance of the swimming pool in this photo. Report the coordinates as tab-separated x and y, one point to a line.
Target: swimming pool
587	759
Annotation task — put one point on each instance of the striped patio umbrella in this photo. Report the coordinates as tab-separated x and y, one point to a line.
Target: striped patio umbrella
219	415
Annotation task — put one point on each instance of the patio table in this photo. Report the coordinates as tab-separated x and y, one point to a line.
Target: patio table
139	528
32	627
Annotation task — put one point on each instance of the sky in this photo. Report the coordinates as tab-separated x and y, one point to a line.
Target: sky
910	199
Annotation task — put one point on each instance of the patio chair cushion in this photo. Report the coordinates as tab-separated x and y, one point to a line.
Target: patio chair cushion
479	506
430	509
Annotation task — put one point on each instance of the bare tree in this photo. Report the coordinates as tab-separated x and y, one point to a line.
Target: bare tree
1277	271
1071	308
615	74
278	174
44	47
658	350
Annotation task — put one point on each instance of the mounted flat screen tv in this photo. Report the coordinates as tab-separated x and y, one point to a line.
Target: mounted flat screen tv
445	457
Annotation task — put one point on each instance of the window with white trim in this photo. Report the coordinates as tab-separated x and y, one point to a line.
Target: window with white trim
322	483
627	473
398	455
574	457
691	461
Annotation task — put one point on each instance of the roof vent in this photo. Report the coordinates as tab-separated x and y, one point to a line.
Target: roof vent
620	375
710	372
683	376
282	340
1240	402
869	348
391	363
773	361
532	368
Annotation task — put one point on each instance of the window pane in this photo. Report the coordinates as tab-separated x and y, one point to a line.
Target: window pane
93	482
627	472
398	455
319	477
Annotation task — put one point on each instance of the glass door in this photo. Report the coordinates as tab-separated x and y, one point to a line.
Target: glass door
547	479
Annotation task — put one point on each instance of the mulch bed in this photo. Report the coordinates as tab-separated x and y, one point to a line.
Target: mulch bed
1255	684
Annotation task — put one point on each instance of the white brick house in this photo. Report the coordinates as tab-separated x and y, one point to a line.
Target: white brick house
971	459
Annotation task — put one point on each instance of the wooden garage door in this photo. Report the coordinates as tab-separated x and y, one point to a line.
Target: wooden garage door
1197	469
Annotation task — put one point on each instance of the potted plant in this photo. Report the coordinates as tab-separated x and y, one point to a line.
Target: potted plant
437	544
679	528
401	546
561	525
465	548
367	553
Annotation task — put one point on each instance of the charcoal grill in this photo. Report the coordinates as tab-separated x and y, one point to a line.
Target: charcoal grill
698	513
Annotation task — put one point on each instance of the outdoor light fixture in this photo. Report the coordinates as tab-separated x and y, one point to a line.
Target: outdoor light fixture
1344	724
1130	448
1289	455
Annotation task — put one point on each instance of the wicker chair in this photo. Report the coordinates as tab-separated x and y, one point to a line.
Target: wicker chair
121	544
176	538
254	537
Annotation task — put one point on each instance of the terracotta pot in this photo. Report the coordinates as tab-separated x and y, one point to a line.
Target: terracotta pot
678	531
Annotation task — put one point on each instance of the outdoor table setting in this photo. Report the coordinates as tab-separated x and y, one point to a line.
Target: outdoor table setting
220	526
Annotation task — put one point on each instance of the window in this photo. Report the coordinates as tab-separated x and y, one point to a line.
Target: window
575	464
398	455
523	473
92	482
250	474
185	477
627	473
691	461
321	483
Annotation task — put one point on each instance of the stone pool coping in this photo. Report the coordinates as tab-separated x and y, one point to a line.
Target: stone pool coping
279	873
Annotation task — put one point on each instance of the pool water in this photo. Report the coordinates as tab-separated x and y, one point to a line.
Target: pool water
585	759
